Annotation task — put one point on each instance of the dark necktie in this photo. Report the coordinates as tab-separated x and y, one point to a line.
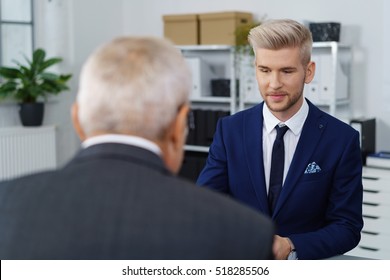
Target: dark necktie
277	166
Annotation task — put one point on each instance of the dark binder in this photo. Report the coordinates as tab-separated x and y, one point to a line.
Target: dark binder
367	129
212	118
201	127
191	137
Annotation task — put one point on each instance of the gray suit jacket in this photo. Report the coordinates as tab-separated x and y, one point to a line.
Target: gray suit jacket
115	201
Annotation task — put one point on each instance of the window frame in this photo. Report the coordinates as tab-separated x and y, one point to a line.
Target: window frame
17	23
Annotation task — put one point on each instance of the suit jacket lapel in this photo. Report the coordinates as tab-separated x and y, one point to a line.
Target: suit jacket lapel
311	134
253	145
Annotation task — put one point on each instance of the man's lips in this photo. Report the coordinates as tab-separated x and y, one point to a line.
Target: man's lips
276	96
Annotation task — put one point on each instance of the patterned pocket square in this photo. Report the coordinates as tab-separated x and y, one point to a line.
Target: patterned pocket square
312	168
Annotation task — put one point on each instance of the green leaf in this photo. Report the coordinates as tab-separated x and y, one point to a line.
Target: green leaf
25	72
37	60
8	88
27	82
50	76
9	73
38	57
46	64
65	78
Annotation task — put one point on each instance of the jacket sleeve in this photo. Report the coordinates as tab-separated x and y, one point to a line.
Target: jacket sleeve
214	175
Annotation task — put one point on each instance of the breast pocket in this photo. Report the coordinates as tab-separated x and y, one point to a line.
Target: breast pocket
312	177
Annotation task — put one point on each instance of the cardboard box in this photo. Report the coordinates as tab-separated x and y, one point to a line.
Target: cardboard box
219	28
182	29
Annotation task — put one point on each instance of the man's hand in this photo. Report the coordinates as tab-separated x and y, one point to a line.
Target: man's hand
281	247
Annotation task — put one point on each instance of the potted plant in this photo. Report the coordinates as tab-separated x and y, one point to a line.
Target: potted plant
30	85
244	62
241	34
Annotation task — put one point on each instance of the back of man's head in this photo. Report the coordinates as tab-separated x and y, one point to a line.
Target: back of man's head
132	85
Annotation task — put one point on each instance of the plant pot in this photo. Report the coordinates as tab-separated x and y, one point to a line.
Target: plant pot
31	114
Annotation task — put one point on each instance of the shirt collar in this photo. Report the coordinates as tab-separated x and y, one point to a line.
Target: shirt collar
295	123
122	139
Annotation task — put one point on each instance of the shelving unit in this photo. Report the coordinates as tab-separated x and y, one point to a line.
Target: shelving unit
220	60
329	89
196	148
249	92
209	62
375	236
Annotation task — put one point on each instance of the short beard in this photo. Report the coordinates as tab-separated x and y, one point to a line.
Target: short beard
291	102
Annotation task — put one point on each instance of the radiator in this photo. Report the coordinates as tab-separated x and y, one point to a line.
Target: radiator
26	150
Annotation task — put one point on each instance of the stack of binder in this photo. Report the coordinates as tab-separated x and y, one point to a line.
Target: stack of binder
202	125
379	160
367	131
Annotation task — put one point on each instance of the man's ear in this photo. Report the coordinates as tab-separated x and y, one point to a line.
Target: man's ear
173	145
310	71
76	123
180	125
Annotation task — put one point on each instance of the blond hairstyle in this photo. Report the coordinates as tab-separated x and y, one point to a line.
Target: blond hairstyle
282	33
133	85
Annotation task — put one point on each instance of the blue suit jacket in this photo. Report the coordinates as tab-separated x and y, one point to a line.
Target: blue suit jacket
320	212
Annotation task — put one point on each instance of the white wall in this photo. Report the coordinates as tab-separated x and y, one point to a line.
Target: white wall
73	28
54	34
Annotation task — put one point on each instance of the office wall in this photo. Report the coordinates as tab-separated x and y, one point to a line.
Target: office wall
73	28
54	34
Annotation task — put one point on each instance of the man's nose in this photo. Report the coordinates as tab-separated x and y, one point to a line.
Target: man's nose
275	81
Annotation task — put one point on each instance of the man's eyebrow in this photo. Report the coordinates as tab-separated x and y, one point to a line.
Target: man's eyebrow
288	68
283	68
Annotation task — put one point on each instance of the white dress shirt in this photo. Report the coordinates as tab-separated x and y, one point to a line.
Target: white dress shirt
123	139
291	138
